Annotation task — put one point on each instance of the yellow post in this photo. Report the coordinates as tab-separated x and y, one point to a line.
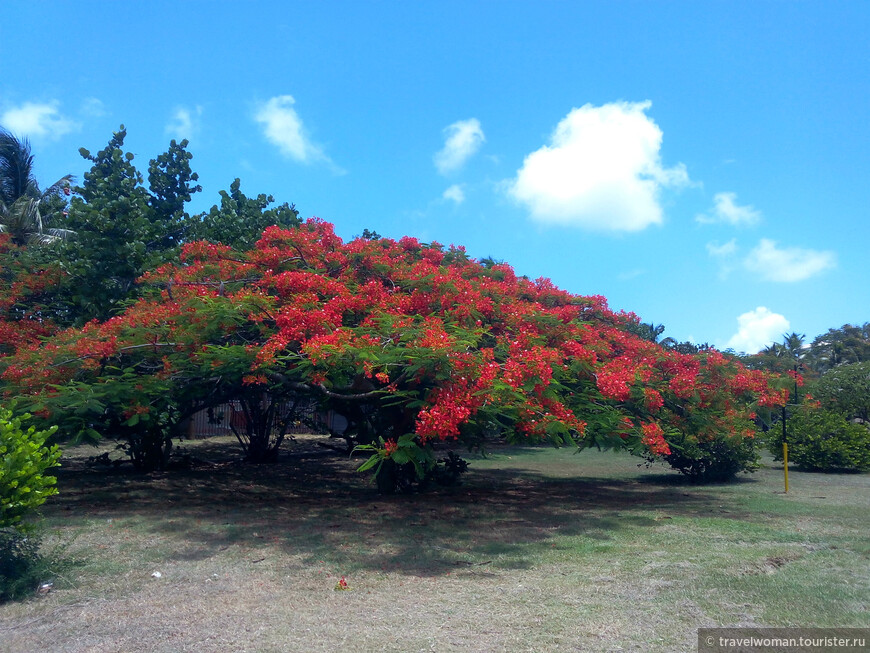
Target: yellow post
785	463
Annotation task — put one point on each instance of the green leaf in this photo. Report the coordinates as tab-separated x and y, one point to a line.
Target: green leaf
371	462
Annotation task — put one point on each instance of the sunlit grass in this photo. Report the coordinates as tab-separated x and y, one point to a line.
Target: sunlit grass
539	549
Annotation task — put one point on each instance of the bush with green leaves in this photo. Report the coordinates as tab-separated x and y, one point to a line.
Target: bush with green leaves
712	460
823	440
404	465
24	485
21	566
28	566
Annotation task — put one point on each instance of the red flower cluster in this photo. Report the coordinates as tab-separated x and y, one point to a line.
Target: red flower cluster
654	438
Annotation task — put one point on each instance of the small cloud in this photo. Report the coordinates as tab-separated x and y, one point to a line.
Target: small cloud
92	108
463	140
787	264
38	120
601	170
725	253
722	251
455	194
757	329
283	127
630	274
725	209
184	123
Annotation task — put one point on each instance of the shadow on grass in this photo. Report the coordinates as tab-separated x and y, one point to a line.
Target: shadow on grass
315	508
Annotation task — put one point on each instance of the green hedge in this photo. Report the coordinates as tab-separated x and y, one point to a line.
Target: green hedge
822	440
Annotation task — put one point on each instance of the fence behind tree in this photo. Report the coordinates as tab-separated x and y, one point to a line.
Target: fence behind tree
220	420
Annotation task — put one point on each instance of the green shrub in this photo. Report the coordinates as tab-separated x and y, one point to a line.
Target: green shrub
823	440
25	459
711	461
26	567
20	564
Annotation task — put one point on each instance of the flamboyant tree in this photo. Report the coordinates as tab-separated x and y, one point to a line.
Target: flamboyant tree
28	301
412	343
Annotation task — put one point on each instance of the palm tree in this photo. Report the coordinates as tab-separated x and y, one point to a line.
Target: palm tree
773	350
648	331
21	200
793	345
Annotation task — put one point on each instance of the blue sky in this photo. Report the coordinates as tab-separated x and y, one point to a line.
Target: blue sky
703	164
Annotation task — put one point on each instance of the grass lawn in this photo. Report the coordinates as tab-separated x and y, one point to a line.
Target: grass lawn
538	550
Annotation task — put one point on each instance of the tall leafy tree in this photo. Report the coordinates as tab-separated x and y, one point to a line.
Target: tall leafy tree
122	227
794	346
239	220
646	330
843	346
846	390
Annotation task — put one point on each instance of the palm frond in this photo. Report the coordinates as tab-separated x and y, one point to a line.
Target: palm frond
50	236
16	169
23	221
57	187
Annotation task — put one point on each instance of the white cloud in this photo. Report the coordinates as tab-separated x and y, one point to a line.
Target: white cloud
725	254
282	127
184	123
601	170
724	250
789	263
757	329
463	139
726	210
454	193
92	108
38	120
628	275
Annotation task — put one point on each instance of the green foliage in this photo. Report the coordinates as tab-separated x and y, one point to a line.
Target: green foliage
239	221
392	461
822	440
711	461
647	331
848	344
25	459
30	215
846	390
370	234
121	228
27	567
21	570
403	465
139	412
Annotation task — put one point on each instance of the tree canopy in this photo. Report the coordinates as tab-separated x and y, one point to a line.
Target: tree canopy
404	339
149	315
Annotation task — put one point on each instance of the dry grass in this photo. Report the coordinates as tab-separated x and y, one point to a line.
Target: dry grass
539	550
